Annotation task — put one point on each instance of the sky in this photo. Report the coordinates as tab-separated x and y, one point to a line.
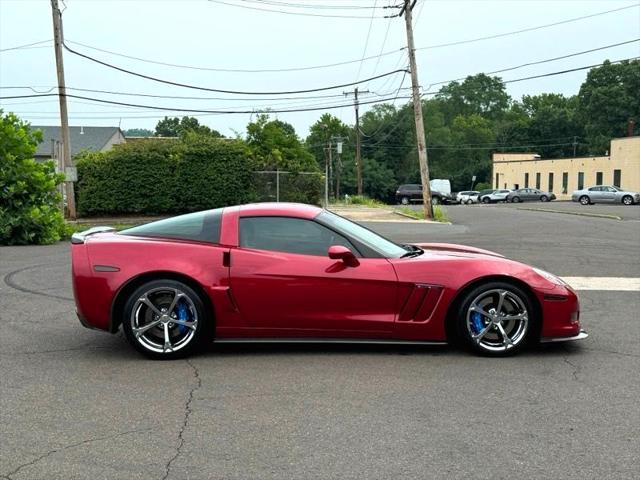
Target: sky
230	34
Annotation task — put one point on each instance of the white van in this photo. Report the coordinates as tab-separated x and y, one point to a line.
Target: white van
440	185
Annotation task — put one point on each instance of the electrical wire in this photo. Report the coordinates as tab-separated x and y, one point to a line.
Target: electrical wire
338	6
530	29
336	64
285	12
218	90
28	45
366	42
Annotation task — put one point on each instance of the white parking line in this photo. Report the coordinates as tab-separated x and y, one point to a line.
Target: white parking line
617	284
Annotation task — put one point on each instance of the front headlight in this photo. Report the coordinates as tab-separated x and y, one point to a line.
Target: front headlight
550	277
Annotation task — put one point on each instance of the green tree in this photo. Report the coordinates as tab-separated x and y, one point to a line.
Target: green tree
477	94
609	98
138	132
176	127
29	199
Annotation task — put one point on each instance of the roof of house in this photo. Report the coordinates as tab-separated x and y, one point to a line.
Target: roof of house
82	138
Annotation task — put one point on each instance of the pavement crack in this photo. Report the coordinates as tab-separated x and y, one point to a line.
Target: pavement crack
185	422
67	447
575	367
10	282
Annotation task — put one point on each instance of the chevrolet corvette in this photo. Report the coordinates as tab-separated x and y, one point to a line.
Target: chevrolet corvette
297	273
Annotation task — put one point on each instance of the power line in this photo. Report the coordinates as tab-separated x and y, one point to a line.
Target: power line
305	14
154	107
366	41
218	90
538	62
338	6
335	64
28	45
530	29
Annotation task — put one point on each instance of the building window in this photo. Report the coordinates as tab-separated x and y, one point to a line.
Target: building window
551	181
526	180
580	180
599	178
616	178
497	180
565	181
538	180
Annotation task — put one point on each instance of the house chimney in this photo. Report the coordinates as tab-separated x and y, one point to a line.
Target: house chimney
81	130
631	126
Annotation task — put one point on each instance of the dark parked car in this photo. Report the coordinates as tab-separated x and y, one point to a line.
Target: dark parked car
530	195
412	192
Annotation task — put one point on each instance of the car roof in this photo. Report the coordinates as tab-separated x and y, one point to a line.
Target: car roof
284	209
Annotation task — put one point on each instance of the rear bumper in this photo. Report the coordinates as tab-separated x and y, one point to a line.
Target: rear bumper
580	336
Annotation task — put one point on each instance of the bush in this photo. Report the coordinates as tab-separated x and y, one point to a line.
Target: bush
29	199
165	176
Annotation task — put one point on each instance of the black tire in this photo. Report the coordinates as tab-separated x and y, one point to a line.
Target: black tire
486	200
627	200
194	336
436	201
544	198
515	199
405	201
584	200
524	332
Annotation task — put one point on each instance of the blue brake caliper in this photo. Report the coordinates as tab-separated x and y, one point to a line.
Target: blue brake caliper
183	316
477	323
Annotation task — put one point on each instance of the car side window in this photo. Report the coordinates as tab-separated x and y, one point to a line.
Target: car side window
290	235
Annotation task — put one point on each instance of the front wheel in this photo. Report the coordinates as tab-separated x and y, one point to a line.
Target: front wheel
627	200
435	201
165	319
486	200
496	319
404	200
544	198
584	200
516	200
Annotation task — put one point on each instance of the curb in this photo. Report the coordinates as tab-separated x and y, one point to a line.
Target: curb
420	219
579	214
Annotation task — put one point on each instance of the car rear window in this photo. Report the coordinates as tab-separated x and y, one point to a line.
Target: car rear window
199	227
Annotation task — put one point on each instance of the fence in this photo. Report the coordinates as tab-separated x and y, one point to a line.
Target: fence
283	186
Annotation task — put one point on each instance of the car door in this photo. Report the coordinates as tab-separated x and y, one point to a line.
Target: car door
596	194
284	283
608	194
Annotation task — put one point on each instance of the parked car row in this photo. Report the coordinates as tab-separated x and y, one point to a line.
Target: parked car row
411	193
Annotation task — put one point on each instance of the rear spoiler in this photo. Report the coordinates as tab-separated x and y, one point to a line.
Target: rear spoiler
80	237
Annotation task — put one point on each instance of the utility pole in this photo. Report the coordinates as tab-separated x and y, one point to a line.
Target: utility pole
575	144
64	116
359	180
338	167
327	162
417	110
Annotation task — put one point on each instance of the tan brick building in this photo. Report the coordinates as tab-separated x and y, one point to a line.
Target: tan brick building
564	175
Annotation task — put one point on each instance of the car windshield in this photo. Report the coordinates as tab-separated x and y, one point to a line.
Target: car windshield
362	234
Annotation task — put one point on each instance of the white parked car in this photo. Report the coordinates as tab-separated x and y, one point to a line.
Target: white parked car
495	197
467	197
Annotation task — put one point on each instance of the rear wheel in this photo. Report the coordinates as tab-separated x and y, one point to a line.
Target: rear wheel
627	200
435	201
584	200
496	319
165	319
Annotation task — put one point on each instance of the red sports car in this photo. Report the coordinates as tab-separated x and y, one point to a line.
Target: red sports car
298	273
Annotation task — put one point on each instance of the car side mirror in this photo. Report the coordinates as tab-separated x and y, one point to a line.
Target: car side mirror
338	252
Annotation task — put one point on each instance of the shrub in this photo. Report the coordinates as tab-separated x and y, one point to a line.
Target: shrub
29	199
165	176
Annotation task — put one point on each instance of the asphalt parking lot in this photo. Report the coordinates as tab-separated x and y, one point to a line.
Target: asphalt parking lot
81	404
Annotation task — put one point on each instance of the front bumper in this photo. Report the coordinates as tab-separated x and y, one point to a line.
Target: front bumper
580	336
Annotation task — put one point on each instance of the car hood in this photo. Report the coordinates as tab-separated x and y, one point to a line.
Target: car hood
453	248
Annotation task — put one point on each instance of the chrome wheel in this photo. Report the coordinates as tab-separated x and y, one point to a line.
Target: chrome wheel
163	320
405	201
497	320
627	200
584	200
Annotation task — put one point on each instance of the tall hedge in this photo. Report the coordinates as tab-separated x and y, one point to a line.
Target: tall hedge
165	176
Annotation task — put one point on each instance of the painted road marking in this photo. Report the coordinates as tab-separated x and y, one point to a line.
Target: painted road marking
617	284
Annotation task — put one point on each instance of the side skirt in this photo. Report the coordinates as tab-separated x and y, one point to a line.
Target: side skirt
327	340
